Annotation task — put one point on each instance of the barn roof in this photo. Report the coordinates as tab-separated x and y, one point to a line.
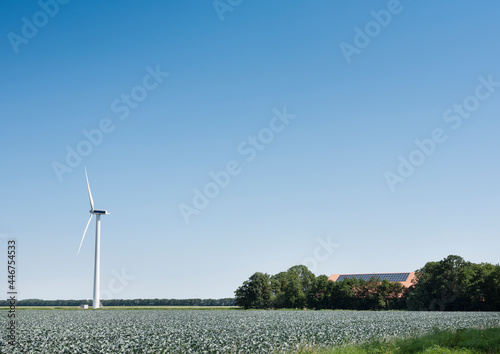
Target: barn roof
403	278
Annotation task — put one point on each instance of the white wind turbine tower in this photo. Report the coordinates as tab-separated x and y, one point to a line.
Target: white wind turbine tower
97	261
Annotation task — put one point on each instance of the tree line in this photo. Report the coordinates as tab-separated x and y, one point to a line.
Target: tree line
451	284
126	302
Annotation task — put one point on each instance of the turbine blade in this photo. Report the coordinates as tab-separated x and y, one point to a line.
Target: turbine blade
86	227
90	193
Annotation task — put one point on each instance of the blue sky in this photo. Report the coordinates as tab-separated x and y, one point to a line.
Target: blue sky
320	180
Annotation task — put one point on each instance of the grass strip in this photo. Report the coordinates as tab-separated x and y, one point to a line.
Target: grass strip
463	341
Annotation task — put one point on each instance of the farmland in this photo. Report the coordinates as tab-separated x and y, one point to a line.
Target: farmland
153	331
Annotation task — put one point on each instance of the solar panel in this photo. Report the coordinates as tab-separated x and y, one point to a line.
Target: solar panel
366	277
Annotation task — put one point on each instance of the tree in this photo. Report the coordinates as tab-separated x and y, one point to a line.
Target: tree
305	276
490	287
367	294
294	294
318	293
291	287
255	292
389	294
278	284
344	294
443	286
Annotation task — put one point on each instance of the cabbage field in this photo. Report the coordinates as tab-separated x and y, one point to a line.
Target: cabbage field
222	331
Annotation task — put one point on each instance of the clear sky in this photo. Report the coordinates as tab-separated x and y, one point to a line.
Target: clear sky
311	110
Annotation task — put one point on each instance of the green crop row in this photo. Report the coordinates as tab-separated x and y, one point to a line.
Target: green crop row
230	331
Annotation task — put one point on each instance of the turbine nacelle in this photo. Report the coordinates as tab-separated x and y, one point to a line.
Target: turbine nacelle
100	212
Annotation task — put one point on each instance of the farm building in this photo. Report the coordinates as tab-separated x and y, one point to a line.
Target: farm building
403	278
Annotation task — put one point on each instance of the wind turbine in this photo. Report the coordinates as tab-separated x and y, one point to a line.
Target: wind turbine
97	262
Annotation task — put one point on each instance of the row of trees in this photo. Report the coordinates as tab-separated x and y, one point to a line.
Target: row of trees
126	302
451	284
170	302
298	287
454	284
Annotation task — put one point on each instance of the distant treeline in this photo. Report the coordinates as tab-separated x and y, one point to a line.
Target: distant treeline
451	284
121	302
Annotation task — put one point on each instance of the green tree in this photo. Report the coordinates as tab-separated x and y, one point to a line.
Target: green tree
278	284
290	288
389	294
318	293
442	286
490	288
305	276
294	294
367	295
255	292
345	294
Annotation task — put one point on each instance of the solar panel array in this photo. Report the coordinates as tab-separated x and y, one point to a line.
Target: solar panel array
367	277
